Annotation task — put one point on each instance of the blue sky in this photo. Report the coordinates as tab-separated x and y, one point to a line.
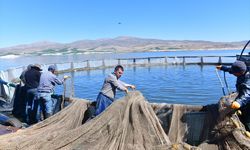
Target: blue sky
65	21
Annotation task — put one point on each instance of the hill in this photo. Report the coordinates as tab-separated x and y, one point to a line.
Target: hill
119	44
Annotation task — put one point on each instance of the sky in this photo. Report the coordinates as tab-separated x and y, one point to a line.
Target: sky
66	21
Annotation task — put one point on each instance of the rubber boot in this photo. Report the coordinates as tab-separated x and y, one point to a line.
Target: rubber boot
47	115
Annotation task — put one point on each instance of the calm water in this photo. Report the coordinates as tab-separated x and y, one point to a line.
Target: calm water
189	84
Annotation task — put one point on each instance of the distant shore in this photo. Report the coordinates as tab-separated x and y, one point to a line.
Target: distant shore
121	44
12	56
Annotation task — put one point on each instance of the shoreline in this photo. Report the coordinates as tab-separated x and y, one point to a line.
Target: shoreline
16	55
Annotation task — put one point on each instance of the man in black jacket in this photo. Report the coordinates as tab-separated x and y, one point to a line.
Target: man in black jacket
32	79
242	101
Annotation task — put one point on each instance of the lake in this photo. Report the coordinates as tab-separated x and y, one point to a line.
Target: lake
190	84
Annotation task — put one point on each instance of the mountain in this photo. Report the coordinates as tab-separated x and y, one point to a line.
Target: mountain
119	44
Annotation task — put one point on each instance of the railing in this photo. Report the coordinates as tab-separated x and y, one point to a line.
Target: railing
11	74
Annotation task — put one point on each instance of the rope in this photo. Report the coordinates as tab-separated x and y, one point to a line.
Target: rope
225	80
222	86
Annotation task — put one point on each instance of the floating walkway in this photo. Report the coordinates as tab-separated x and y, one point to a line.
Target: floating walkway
13	73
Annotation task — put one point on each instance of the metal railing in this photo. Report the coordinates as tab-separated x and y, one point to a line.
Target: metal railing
14	73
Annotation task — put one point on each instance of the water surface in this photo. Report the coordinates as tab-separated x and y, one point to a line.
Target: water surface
190	84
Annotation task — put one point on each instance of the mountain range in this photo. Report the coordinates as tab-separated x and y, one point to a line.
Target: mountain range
119	44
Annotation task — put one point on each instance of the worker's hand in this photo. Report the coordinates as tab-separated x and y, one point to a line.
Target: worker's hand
132	87
235	105
219	67
66	77
126	91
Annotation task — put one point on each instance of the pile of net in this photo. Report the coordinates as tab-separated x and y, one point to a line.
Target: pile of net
131	123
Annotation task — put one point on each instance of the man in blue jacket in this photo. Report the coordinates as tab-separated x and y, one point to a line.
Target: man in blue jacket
108	91
242	101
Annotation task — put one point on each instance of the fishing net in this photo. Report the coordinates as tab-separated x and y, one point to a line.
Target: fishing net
133	123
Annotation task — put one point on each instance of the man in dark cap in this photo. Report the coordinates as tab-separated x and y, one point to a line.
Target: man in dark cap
239	69
242	101
32	79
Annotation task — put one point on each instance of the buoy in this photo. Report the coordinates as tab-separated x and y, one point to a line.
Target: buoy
239	113
187	146
175	146
247	134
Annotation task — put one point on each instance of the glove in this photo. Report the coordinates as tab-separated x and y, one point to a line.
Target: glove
219	67
126	91
235	105
66	77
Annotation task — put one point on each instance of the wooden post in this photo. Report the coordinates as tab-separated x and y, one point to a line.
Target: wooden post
175	60
183	60
103	63
72	66
72	93
64	94
134	61
220	61
202	60
148	60
166	60
88	65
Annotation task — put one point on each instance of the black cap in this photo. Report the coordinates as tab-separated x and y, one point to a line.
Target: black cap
238	67
37	66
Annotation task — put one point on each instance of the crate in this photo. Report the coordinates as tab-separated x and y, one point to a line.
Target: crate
195	123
